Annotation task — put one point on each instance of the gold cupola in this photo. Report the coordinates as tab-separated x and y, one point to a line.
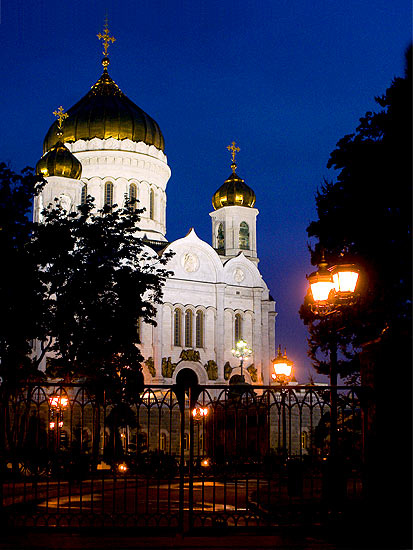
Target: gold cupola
234	191
58	160
105	112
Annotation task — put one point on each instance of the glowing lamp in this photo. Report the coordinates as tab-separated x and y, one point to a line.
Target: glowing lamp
205	462
345	278
321	282
122	468
200	412
282	367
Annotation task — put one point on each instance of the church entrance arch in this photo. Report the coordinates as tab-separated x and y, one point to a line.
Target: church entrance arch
194	367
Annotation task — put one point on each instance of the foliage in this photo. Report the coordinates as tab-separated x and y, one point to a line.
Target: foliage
20	290
98	279
364	217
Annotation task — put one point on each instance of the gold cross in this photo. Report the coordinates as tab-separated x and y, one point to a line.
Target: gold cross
61	115
106	38
234	150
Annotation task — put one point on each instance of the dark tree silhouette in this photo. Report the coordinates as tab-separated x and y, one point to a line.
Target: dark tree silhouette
98	280
365	217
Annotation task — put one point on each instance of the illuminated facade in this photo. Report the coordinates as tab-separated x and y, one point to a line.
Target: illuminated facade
216	294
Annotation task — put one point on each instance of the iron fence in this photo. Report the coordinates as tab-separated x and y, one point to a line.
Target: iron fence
209	456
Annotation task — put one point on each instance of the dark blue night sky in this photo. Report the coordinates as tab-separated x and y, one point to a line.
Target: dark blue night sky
285	79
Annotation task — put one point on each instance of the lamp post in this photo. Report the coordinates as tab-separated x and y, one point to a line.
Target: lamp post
242	351
282	375
331	288
57	404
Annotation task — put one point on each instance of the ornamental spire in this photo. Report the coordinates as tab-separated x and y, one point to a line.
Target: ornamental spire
106	39
234	150
60	115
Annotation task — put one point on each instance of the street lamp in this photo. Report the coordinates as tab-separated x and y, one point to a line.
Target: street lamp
57	404
242	351
331	288
200	412
283	369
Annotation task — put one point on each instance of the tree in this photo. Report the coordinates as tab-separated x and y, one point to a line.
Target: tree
99	282
364	217
20	289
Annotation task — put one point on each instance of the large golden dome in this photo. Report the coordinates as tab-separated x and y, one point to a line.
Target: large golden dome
105	112
234	192
59	161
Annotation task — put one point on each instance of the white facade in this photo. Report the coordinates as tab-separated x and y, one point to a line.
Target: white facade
212	299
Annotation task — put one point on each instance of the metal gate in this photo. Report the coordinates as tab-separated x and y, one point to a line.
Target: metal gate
179	458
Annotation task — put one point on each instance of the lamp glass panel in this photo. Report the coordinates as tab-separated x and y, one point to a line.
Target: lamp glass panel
321	290
345	281
282	368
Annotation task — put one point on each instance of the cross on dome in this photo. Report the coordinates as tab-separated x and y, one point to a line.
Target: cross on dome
106	39
234	150
60	115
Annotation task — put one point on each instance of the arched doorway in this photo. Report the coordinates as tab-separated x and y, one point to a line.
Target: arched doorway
187	378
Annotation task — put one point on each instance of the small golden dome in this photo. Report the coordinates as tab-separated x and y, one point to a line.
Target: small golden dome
234	192
105	112
59	161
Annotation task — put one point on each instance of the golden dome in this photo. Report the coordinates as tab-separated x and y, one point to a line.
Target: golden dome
59	161
105	112
234	192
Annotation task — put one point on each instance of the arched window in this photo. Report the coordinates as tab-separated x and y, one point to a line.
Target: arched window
220	237
162	442
152	204
108	193
238	327
133	195
83	194
200	329
244	236
177	326
188	328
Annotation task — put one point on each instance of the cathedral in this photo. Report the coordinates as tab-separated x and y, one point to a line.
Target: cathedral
107	147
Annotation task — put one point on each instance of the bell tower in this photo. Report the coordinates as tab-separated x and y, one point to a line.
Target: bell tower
234	218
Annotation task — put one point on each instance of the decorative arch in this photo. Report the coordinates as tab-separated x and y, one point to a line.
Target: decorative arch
195	366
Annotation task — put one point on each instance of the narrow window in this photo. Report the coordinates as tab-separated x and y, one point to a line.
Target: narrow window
200	329
108	193
238	328
83	194
188	328
152	204
133	195
186	442
220	237
162	442
201	442
177	327
244	236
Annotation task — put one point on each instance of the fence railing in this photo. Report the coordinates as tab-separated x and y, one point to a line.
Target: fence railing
201	457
